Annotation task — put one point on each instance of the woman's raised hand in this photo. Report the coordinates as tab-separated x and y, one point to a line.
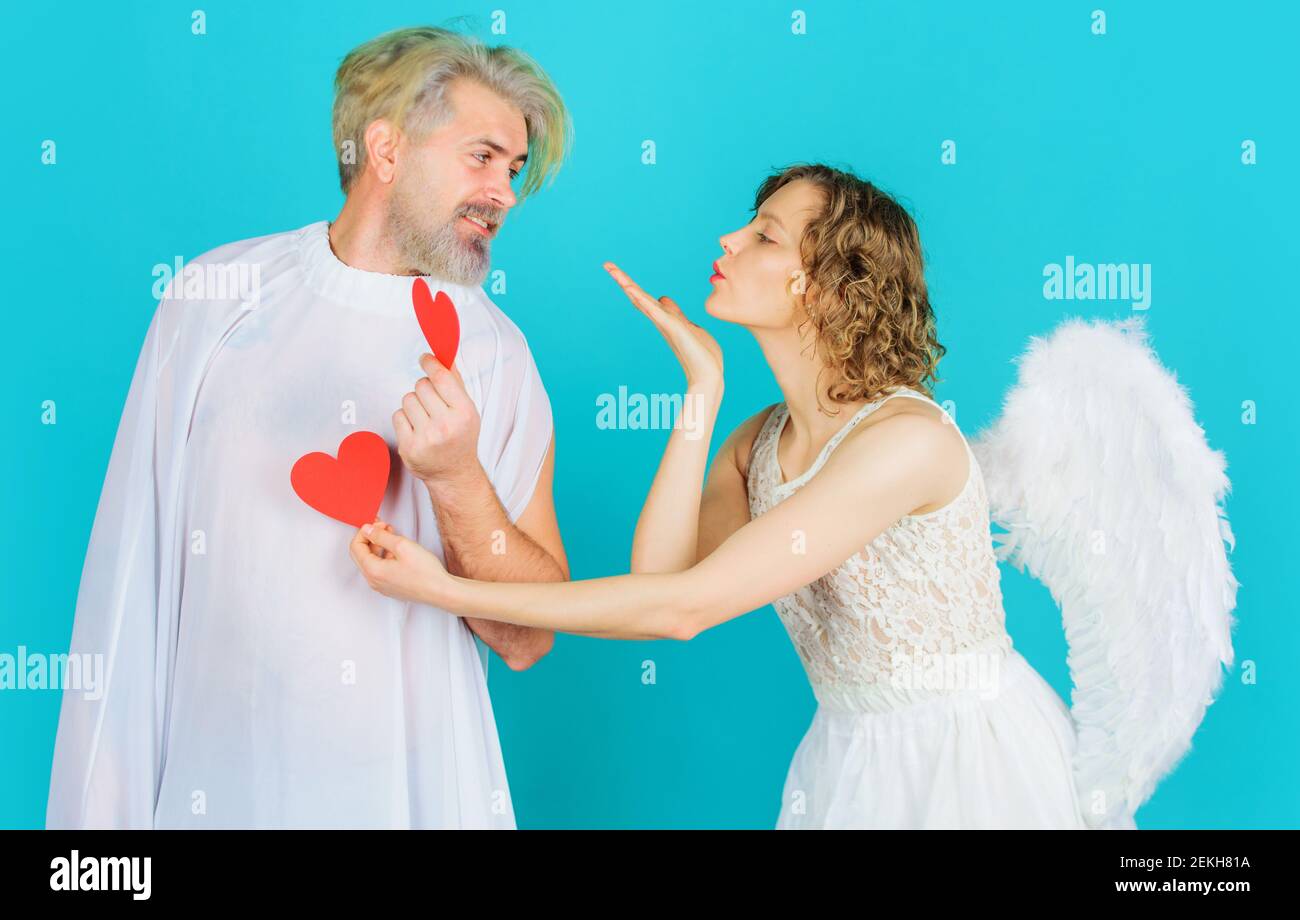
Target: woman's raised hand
696	350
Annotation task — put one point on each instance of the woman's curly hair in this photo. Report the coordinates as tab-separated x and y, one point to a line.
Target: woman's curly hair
865	278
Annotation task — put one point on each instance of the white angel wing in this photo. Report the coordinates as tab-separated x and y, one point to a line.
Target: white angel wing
1111	497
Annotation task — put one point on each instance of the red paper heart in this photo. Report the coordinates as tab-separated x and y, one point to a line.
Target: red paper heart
438	321
350	488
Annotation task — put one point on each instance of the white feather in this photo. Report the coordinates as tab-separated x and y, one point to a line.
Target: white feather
1112	498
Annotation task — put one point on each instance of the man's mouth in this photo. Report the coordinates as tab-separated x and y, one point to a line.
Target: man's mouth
482	225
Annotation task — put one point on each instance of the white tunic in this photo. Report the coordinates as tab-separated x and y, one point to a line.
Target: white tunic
927	717
254	678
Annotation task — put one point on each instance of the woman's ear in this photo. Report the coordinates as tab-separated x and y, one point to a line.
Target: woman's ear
797	284
803	290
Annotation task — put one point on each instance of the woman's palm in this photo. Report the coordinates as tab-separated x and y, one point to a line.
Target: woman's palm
699	353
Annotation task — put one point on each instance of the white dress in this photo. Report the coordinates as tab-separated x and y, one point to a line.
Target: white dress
927	717
256	680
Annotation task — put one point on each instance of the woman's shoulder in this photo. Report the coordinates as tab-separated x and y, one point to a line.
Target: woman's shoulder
917	427
740	443
909	406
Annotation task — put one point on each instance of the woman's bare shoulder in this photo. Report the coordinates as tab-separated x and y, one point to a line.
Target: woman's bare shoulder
740	443
927	428
906	405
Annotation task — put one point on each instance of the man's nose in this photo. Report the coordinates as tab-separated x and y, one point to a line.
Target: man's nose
502	195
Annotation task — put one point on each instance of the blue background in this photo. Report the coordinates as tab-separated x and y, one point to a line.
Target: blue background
1124	147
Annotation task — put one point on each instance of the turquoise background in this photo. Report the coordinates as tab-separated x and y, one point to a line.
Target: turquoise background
1123	147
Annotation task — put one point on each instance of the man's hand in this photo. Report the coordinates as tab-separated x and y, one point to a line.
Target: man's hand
437	432
438	425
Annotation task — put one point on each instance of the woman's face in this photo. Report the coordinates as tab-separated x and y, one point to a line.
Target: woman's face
761	273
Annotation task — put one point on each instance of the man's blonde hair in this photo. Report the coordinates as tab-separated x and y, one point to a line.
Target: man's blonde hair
403	76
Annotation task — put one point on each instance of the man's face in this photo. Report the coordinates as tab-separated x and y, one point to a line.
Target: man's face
461	172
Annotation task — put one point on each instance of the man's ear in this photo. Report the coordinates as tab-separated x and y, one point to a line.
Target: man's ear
382	138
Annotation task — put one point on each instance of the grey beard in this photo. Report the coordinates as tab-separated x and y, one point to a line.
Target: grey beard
440	251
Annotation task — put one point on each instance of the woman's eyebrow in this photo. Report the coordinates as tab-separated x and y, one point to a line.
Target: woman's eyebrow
768	215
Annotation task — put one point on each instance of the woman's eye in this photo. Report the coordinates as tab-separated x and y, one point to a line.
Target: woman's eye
764	238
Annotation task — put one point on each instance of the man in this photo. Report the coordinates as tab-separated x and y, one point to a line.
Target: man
265	685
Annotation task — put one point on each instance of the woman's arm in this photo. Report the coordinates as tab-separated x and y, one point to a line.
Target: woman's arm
668	528
724	508
875	477
667	537
679	526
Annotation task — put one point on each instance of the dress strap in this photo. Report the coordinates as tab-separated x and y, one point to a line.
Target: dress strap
781	414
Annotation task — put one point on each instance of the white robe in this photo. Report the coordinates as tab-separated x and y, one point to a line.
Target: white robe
253	678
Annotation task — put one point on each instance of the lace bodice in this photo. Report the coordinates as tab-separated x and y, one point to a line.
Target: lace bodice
924	595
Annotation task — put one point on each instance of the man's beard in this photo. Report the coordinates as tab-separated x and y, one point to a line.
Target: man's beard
438	250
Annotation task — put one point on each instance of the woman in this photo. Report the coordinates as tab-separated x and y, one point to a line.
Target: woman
855	507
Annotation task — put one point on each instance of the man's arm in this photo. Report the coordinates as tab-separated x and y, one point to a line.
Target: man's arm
480	542
437	437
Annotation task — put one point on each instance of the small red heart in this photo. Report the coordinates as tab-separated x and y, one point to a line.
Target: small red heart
438	321
349	489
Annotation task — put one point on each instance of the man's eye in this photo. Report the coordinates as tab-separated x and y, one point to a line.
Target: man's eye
485	156
514	174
